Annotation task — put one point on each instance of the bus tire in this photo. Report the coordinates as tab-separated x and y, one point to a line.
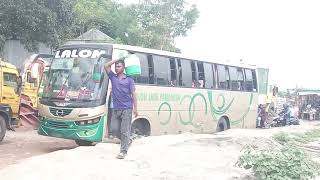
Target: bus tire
3	128
83	143
222	124
141	127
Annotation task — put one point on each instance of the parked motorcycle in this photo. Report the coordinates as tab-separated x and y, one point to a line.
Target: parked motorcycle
279	121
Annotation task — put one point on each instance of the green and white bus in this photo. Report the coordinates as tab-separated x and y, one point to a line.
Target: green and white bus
175	93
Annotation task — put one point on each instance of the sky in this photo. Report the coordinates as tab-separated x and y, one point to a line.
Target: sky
283	35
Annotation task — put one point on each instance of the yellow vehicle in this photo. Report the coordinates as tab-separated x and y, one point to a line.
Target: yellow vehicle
34	68
9	96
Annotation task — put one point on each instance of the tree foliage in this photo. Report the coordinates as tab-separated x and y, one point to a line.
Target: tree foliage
162	21
150	23
32	21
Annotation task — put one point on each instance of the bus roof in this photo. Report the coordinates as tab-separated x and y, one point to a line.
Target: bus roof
163	53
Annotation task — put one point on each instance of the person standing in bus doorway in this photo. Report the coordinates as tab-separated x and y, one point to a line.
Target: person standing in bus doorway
124	104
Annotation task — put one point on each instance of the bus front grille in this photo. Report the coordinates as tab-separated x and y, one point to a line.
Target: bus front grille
57	124
59	112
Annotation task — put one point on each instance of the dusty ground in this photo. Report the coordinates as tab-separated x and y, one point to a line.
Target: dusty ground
24	143
185	156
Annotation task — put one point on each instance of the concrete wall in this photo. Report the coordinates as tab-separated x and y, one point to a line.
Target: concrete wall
15	53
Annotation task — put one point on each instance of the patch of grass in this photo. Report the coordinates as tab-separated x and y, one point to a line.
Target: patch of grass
288	161
297	138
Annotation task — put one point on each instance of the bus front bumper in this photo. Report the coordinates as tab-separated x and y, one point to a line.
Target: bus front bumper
70	130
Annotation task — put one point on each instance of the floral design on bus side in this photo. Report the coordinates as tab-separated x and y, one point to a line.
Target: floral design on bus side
214	111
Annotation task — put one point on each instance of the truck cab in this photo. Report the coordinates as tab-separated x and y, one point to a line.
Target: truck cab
9	96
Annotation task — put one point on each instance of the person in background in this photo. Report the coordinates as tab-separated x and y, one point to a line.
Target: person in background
262	116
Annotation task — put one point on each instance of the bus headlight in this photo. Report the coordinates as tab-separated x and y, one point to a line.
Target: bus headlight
88	122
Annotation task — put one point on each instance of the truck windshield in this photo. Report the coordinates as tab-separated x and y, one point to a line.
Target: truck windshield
76	80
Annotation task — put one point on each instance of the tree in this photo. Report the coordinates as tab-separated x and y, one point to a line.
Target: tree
93	14
33	21
150	23
161	21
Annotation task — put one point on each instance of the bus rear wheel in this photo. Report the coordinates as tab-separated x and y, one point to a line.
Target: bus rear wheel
3	128
83	143
222	125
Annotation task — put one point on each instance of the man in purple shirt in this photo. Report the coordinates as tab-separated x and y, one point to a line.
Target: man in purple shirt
124	104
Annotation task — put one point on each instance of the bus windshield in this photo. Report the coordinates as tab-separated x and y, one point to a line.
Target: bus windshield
75	80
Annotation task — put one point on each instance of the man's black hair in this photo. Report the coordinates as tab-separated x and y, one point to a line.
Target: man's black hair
121	62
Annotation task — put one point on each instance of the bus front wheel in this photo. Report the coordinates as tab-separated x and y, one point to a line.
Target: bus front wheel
141	127
83	143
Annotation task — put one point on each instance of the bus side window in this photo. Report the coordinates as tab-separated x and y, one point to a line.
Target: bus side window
249	80
161	71
228	78
173	72
255	83
179	72
144	77
194	75
201	75
233	78
222	77
240	78
208	76
186	77
151	69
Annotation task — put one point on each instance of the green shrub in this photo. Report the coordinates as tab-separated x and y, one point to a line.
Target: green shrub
285	163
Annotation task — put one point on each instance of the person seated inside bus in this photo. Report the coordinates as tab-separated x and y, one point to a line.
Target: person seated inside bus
201	83
80	78
194	84
173	83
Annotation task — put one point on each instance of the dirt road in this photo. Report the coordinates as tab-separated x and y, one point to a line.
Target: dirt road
171	157
24	143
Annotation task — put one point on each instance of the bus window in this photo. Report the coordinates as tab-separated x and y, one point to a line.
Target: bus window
173	72
186	76
222	77
249	80
227	78
179	72
144	77
234	79
161	72
151	70
208	75
254	77
240	78
201	75
194	75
